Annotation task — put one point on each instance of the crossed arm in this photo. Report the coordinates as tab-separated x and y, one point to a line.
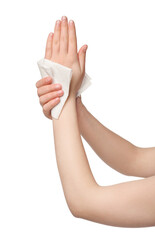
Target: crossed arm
129	204
117	152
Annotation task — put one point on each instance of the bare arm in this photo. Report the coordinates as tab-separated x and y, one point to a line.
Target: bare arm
73	166
114	150
126	204
129	204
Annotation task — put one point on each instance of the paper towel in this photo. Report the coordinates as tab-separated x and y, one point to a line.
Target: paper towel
61	74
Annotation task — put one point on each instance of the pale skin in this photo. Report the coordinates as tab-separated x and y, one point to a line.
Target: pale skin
129	204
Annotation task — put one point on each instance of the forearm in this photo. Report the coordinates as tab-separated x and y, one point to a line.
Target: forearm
110	147
74	170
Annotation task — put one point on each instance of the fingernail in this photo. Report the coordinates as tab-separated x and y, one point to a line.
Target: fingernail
58	22
57	86
60	91
71	22
51	34
85	48
64	18
48	79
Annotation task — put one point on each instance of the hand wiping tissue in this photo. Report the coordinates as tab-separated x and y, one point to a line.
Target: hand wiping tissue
61	74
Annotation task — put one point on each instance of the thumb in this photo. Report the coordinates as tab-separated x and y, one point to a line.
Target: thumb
82	57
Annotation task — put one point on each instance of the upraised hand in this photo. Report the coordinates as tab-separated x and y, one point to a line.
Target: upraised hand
61	47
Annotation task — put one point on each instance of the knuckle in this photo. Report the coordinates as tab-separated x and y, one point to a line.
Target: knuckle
45	79
56	41
63	38
45	108
41	101
47	97
51	87
38	92
55	94
51	104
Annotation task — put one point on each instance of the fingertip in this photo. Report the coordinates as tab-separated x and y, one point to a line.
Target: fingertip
48	79
64	18
48	51
71	22
57	100
85	48
51	34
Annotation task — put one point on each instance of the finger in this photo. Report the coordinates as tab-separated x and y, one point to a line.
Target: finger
82	57
56	38
49	96
43	81
64	35
49	106
48	88
72	48
48	51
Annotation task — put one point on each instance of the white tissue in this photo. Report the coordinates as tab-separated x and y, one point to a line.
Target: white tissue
61	74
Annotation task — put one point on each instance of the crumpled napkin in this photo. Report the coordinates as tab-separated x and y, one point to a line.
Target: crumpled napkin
61	74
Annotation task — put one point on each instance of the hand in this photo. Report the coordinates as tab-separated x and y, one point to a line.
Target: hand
61	47
49	95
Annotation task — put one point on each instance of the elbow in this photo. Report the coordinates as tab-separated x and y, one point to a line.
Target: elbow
75	213
74	210
81	205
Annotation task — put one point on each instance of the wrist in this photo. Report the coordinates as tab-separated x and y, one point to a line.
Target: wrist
80	106
81	109
72	95
81	114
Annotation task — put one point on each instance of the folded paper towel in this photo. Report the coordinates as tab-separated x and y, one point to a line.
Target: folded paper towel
61	74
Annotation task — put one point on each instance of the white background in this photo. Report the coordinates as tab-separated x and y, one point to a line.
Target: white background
121	62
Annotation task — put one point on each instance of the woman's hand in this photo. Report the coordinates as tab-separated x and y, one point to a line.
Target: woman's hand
49	95
61	47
